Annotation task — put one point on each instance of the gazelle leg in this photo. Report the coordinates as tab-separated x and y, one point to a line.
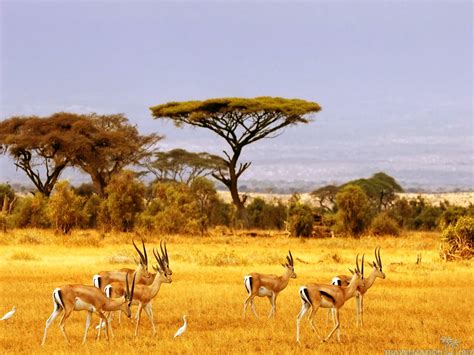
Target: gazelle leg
104	319
50	320
252	306
66	314
304	308
246	302
357	310
149	313
361	310
335	327
139	312
311	321
88	323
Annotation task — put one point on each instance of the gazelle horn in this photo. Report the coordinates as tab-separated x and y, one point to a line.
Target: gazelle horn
380	259
142	258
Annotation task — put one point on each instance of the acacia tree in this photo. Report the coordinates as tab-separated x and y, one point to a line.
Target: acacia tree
106	144
181	165
100	145
240	122
41	147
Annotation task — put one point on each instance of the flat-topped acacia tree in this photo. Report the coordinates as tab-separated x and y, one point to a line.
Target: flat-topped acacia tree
240	122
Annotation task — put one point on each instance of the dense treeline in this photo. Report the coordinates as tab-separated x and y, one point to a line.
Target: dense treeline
172	206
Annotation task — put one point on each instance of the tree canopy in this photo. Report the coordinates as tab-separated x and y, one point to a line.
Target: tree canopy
100	145
181	165
240	122
41	147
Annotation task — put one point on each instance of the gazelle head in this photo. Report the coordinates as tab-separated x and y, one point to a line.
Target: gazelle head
289	265
128	297
358	274
143	263
160	268
166	260
377	264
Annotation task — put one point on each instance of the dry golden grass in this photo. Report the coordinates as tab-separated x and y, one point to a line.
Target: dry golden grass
411	309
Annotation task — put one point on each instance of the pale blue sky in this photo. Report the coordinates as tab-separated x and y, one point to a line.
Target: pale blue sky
394	78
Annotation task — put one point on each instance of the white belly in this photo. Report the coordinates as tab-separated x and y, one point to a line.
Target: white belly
263	291
325	304
80	305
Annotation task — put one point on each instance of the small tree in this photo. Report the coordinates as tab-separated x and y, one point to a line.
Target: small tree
173	210
125	196
182	166
354	210
458	240
206	197
65	208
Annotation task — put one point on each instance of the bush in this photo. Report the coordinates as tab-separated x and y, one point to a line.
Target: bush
173	210
31	212
265	215
383	224
65	208
125	200
300	219
458	240
354	210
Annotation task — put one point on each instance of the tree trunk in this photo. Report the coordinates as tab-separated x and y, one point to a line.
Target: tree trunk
241	217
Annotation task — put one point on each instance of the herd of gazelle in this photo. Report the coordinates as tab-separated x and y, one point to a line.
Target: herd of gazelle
111	292
314	296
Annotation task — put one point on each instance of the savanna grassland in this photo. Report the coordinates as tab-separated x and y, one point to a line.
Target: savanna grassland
411	309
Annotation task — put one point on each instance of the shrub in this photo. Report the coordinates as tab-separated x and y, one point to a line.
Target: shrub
31	212
458	240
300	219
354	210
383	224
173	210
265	215
65	208
125	200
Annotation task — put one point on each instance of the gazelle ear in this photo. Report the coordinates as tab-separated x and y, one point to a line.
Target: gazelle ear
351	271
283	265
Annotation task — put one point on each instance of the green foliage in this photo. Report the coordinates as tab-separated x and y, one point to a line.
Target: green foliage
380	189
458	239
65	208
325	197
30	212
354	210
383	224
183	166
451	214
201	110
125	200
206	196
6	190
300	218
173	210
265	215
92	210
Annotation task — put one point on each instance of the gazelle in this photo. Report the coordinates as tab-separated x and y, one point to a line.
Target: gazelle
315	296
143	294
104	278
71	298
343	280
264	285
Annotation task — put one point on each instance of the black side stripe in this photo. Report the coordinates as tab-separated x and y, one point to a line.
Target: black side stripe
306	293
327	295
60	298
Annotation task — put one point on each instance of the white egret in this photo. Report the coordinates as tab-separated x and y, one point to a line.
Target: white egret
9	314
182	329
